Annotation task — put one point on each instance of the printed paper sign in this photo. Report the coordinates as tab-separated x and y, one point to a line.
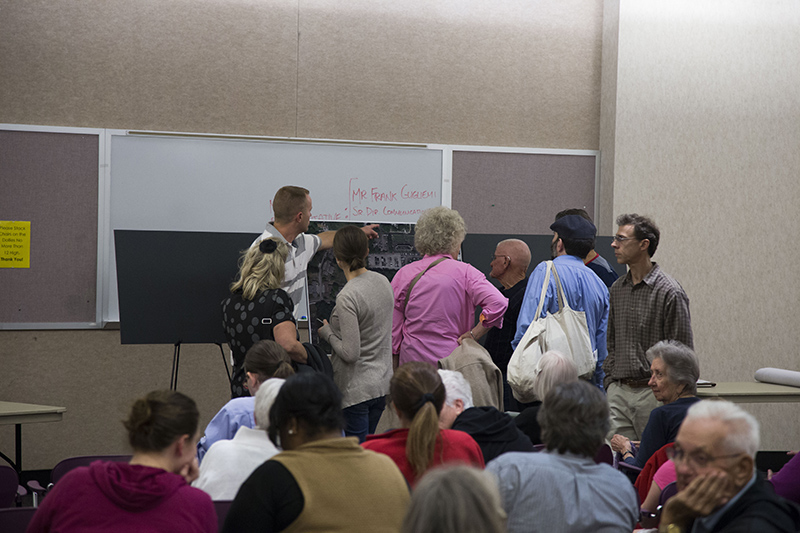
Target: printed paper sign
15	244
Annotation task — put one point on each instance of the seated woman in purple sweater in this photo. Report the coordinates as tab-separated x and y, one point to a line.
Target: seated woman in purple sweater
151	493
674	370
787	480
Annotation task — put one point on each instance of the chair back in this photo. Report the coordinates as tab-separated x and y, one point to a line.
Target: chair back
16	519
222	507
83	460
9	481
668	492
604	455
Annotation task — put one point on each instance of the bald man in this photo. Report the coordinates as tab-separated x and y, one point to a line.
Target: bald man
509	266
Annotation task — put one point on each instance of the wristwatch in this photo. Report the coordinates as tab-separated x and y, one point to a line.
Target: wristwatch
672	528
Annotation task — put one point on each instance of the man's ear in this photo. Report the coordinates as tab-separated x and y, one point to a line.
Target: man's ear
742	470
458	405
644	244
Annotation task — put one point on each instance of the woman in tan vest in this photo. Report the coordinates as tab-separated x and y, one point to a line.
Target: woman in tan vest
321	481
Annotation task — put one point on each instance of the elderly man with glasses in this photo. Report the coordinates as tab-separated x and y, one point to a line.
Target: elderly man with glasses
718	487
509	264
646	306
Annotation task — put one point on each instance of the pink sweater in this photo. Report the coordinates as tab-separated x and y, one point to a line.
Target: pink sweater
441	308
124	498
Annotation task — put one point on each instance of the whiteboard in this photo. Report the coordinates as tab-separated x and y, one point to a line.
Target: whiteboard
184	183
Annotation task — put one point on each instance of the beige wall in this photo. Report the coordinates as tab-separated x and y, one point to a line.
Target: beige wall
502	73
458	72
707	141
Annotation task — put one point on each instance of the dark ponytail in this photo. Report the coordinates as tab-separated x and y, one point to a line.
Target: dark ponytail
267	359
351	246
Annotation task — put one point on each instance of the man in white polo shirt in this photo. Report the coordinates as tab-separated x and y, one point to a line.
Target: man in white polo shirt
292	209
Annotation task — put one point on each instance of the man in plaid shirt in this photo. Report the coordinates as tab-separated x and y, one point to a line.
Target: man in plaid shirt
646	306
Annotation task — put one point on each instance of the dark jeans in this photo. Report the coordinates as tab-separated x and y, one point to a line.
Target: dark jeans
362	418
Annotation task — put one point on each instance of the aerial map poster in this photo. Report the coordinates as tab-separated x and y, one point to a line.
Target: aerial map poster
393	249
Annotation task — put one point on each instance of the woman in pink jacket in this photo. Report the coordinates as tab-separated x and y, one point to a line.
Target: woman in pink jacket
151	493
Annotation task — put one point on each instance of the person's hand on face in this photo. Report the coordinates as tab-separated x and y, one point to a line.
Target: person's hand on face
706	493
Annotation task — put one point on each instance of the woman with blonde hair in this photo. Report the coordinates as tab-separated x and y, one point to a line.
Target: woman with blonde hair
435	298
259	309
418	395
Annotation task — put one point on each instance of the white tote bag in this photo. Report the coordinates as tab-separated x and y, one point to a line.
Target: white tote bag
565	331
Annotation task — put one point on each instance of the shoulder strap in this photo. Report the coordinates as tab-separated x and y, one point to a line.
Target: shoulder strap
544	291
562	300
267	320
416	279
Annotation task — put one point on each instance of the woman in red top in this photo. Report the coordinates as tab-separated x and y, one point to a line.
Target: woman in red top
417	396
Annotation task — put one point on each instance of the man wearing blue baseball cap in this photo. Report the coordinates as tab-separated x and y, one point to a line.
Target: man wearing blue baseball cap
573	238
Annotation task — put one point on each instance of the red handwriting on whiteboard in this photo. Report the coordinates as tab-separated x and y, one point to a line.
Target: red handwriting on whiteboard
371	201
407	193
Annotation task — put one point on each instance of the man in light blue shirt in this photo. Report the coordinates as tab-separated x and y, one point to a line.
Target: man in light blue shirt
572	240
562	489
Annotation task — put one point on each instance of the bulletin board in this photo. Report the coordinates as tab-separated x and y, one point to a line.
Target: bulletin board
50	179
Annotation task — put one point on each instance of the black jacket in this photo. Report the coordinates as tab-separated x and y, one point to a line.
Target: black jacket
759	510
494	431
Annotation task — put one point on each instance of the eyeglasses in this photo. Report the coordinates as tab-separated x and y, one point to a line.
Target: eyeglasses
506	256
622	238
696	459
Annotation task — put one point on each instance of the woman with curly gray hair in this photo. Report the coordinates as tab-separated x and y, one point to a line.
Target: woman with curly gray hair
435	298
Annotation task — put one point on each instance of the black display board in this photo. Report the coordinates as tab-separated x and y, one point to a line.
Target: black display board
171	284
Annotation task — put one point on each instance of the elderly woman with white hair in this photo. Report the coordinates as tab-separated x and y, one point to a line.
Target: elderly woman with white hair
229	463
554	368
674	370
435	298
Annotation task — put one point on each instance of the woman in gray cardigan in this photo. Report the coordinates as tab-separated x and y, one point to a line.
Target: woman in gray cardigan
360	333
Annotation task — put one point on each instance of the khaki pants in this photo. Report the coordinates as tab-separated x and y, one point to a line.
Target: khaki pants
630	409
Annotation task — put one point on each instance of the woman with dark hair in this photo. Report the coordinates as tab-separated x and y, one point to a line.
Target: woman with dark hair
259	309
264	360
151	493
321	481
360	333
418	395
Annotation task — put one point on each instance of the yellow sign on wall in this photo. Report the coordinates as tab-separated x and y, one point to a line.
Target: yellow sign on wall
15	244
